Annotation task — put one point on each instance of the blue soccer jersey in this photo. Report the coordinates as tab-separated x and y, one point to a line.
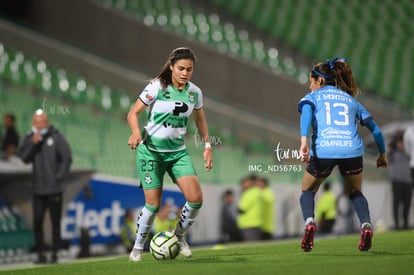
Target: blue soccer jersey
334	123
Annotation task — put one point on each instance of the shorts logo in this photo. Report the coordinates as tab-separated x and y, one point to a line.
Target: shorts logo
148	179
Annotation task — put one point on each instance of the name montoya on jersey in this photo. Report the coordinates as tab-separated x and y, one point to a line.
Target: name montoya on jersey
168	115
335	129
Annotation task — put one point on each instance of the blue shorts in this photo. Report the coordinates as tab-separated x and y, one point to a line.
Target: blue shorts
322	168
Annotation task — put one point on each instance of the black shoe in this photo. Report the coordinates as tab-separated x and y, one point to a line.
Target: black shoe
41	259
54	259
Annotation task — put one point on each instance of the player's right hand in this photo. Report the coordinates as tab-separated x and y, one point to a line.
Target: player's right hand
134	141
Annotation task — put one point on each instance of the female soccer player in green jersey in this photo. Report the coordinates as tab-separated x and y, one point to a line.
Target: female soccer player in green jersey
160	147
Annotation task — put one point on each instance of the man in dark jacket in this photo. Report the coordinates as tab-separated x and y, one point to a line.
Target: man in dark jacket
229	230
50	154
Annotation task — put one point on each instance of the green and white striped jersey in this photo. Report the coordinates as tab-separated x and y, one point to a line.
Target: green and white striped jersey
168	115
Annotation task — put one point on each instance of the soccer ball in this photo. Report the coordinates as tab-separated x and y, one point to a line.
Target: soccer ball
164	245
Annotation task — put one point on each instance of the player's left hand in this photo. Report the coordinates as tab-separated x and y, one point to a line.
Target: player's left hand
208	158
382	161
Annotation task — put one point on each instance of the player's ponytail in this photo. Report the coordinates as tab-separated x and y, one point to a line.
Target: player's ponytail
180	53
344	76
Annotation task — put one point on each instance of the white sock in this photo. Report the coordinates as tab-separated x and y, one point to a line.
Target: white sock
308	221
144	222
366	225
187	217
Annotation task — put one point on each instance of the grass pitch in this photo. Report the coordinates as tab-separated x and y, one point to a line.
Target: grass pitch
392	253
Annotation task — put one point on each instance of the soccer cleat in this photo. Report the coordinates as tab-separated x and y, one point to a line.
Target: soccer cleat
184	247
135	255
365	242
307	241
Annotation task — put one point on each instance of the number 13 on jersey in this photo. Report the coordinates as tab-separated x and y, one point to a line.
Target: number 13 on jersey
339	111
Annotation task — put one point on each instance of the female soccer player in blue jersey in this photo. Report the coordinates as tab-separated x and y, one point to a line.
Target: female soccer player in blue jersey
160	147
333	113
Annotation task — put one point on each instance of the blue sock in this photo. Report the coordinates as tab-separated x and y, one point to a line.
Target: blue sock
361	206
307	203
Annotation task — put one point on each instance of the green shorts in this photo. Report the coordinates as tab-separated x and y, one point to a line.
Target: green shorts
152	166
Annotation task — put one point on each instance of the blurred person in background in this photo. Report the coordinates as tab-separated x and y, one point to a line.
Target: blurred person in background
333	113
11	138
128	230
250	208
51	156
229	232
325	211
269	215
172	98
408	141
166	218
400	174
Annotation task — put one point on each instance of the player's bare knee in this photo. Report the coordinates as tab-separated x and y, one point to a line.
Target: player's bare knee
155	202
196	197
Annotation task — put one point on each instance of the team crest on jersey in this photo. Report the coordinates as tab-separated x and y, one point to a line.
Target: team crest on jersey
148	179
191	97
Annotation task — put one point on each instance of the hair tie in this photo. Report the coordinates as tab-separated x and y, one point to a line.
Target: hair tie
331	64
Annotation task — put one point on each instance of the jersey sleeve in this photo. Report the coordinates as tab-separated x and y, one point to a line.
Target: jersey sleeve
377	134
363	115
307	99
150	92
199	104
305	120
